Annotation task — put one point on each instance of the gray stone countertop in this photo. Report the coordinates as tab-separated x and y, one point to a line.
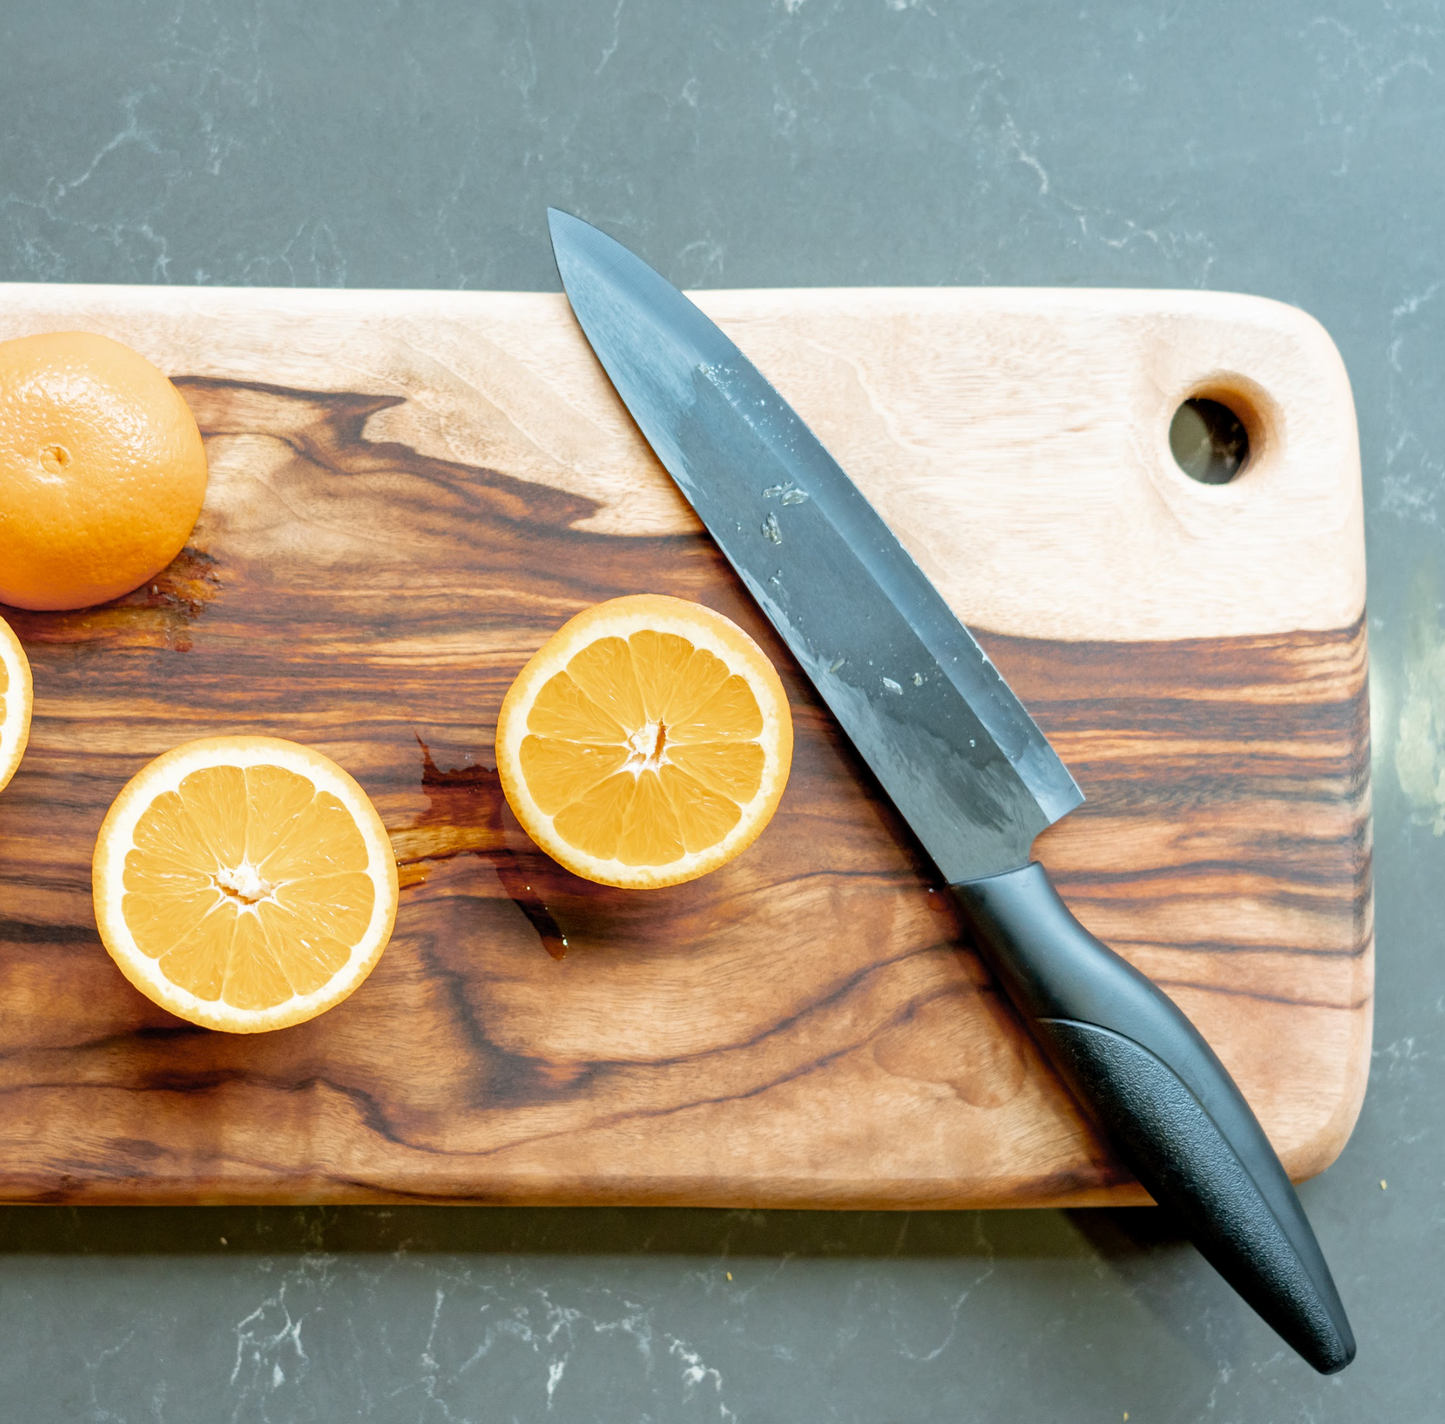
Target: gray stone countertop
1291	150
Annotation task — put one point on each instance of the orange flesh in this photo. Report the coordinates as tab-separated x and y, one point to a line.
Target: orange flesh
643	749
247	885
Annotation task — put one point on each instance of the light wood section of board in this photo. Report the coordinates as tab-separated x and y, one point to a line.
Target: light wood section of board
1016	439
410	491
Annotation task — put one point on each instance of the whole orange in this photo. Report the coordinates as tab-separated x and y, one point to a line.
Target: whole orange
102	470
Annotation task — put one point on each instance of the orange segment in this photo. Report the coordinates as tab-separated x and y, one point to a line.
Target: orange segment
563	710
323	910
244	883
604	672
192	964
592	824
254	980
322	839
560	772
732	769
700	678
161	915
646	743
704	816
658	659
730	710
651	825
275	799
209	812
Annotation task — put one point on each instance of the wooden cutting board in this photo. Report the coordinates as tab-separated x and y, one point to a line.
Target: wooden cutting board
411	490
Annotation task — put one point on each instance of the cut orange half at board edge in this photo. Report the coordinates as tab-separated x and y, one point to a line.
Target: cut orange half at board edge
646	743
16	701
244	883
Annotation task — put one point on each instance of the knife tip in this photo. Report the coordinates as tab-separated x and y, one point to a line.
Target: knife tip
559	218
558	225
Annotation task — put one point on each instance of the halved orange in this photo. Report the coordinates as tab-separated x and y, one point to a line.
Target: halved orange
244	883
646	743
16	695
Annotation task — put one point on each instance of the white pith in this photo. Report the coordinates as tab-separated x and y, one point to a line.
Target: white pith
642	746
243	882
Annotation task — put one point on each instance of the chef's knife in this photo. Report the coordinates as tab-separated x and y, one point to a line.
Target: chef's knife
966	767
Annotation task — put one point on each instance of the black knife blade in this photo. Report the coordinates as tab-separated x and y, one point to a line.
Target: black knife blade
964	763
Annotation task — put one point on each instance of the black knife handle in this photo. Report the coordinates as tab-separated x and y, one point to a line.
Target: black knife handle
1165	1103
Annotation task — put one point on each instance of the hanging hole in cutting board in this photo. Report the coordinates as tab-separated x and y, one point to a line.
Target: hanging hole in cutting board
1209	441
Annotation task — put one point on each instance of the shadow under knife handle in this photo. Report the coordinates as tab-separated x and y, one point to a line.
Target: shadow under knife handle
1165	1103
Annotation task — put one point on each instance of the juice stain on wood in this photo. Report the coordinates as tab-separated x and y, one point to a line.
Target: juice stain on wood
468	805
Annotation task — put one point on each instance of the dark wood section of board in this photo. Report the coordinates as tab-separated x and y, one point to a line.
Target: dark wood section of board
807	1026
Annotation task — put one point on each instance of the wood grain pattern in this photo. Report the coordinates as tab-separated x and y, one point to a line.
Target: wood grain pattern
411	490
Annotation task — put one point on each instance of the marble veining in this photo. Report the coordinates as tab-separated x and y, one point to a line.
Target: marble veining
1285	150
